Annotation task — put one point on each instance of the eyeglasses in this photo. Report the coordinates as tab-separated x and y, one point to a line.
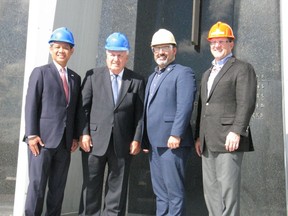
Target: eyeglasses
220	42
163	48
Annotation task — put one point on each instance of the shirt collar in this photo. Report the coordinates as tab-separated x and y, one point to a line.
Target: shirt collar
157	71
222	61
119	75
59	66
168	68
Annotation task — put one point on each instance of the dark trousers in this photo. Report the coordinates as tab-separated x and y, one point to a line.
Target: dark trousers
116	184
51	166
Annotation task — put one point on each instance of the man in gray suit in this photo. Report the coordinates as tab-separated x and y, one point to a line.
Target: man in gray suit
226	103
50	118
168	135
110	129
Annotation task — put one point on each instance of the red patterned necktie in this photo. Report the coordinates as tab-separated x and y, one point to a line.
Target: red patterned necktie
65	84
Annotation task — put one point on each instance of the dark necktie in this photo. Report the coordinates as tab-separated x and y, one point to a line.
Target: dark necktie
115	87
65	84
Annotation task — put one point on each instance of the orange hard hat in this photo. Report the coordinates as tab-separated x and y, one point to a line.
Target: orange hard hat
220	29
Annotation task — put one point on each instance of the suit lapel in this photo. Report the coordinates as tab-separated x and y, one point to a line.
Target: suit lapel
58	79
71	83
56	74
163	76
126	82
70	80
106	82
204	83
221	73
148	87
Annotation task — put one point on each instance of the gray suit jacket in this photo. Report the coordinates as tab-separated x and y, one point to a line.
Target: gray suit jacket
228	107
100	118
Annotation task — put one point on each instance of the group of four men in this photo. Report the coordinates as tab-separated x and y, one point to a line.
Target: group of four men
113	116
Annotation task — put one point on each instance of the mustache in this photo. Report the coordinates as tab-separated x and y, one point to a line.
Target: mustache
162	55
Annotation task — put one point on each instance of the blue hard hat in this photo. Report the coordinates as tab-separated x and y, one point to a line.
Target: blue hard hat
117	42
62	35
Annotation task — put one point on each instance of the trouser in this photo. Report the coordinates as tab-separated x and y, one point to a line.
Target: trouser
116	184
221	182
168	175
50	165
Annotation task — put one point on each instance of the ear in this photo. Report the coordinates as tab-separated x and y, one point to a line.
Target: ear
174	50
232	44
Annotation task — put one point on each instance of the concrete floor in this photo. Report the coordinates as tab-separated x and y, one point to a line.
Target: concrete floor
7	201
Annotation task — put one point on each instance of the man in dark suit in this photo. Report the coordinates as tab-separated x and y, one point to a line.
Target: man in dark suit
226	103
110	129
50	114
169	99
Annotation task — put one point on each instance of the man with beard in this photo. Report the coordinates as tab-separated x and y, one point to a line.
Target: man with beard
168	135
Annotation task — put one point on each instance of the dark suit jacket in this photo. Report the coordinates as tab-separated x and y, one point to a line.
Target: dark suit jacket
170	107
46	111
100	118
229	106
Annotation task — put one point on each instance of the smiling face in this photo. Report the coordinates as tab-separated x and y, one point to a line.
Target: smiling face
116	60
221	47
164	54
61	52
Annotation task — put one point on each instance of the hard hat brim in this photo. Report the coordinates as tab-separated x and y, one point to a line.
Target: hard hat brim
116	48
63	41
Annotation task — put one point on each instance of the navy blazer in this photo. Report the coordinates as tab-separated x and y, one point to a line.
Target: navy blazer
170	107
101	119
46	112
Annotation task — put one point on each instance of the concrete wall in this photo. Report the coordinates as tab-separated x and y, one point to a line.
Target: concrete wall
13	31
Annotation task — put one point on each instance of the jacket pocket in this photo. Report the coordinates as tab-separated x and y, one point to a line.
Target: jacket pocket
227	120
169	118
93	126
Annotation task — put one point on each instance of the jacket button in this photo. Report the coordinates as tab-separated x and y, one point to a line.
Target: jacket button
207	104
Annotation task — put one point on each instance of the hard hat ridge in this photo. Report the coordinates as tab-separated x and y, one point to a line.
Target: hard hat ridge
117	42
62	34
220	29
163	36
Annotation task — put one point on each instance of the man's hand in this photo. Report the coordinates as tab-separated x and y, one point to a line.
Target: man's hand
198	147
173	142
232	141
85	143
33	143
135	147
74	145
